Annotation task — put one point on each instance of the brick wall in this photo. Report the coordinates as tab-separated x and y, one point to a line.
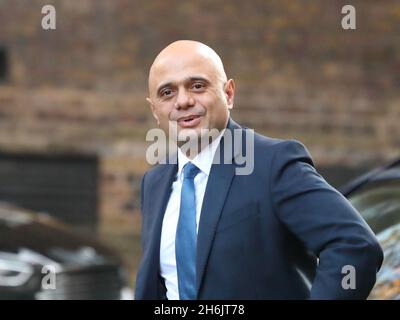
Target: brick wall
298	74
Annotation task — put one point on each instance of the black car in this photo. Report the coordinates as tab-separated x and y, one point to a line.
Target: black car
40	258
376	195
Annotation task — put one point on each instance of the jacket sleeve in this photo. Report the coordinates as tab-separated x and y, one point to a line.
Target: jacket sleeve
326	223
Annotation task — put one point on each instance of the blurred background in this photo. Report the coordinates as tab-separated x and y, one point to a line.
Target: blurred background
73	115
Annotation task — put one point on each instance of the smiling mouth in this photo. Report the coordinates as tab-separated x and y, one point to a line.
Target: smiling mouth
189	121
188	118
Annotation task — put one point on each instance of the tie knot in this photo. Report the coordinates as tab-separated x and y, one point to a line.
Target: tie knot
190	170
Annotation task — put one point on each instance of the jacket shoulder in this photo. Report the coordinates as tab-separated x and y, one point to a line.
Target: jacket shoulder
156	171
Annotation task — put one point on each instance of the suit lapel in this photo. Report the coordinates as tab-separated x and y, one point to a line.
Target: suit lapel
217	189
160	186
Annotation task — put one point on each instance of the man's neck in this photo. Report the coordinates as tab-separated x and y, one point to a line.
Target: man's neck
191	151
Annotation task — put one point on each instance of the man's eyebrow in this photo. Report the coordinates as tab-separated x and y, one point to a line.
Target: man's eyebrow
192	79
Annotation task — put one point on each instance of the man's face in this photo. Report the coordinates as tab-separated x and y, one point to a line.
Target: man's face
189	90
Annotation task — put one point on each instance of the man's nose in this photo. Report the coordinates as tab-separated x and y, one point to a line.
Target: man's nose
184	99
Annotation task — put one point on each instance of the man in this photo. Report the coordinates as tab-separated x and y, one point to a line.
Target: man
280	232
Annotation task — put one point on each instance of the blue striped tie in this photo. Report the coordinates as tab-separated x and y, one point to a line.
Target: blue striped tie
186	237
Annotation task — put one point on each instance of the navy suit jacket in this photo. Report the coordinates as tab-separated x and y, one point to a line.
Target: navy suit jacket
281	232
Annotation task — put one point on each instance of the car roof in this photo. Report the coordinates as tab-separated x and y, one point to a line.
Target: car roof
388	172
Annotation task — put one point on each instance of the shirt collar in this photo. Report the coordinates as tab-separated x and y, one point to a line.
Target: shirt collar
203	160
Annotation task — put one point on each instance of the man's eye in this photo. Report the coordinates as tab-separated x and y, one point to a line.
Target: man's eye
198	86
166	92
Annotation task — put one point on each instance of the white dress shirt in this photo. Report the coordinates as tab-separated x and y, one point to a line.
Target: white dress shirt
167	247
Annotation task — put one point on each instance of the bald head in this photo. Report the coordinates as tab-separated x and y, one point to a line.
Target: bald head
182	52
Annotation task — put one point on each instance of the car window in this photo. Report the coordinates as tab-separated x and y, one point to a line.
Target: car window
388	279
379	204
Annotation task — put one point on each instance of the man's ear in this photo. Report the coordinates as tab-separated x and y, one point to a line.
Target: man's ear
153	111
230	92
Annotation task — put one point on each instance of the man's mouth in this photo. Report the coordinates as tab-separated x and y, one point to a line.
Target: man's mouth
189	121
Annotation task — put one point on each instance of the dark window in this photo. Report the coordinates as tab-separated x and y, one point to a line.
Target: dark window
62	185
3	64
